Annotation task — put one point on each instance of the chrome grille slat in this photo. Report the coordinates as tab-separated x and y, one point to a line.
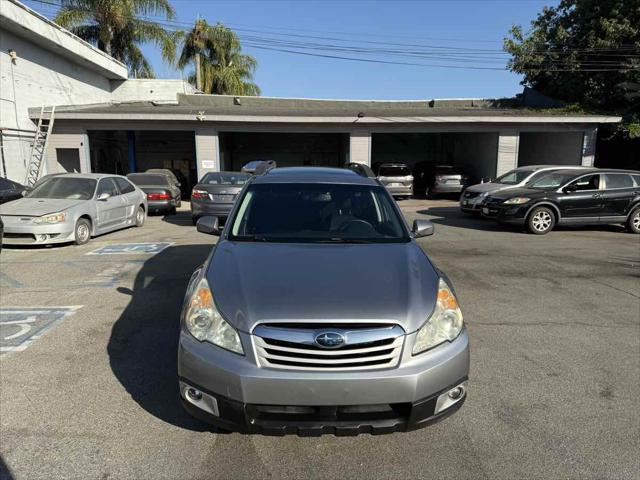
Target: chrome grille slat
294	348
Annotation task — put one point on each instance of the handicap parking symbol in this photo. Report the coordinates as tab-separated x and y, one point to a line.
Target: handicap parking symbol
131	248
20	326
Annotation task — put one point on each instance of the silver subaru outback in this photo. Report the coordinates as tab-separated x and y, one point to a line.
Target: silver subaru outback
317	312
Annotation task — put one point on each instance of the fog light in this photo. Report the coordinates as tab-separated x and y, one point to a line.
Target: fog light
194	394
42	237
455	393
451	397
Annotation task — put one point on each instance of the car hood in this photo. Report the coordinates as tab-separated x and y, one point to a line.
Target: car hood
34	207
518	192
258	282
489	187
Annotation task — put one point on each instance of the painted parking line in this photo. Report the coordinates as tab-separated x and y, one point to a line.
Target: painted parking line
131	248
21	326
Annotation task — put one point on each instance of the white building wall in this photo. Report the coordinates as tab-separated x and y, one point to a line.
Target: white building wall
207	151
360	147
148	90
508	142
37	77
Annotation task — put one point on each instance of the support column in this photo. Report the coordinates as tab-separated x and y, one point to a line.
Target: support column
508	144
131	149
360	147
207	151
589	147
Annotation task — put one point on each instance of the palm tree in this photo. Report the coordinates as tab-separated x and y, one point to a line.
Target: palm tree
219	62
195	43
116	27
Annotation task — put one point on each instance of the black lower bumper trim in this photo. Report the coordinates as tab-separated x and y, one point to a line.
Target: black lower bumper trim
246	418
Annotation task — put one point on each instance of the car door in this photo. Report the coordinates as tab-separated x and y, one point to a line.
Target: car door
581	200
111	209
129	195
618	194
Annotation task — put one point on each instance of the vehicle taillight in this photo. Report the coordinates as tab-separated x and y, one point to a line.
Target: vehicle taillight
199	193
158	196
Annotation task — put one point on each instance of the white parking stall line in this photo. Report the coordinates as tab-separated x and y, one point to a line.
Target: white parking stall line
131	248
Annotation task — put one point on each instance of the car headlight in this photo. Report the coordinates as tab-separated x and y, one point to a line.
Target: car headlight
517	201
206	324
445	323
52	218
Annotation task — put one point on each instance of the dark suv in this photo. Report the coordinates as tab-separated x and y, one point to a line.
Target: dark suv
570	197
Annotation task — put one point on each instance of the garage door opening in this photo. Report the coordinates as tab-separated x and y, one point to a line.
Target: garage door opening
474	153
287	149
121	152
550	148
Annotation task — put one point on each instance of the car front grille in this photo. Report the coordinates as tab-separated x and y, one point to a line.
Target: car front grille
294	347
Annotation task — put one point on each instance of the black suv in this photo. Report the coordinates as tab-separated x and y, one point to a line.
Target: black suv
570	197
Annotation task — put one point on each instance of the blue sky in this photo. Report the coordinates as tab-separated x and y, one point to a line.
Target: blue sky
464	27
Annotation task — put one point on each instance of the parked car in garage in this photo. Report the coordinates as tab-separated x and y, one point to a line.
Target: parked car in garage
216	193
397	178
258	167
434	179
176	178
162	194
10	190
472	196
73	208
317	312
570	197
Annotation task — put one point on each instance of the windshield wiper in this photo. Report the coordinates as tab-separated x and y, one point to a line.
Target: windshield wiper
344	240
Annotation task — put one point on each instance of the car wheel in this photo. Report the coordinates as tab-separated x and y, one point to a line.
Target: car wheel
82	232
172	211
179	202
140	217
541	221
633	222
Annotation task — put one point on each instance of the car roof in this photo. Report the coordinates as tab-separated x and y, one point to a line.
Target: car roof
553	167
591	170
95	176
313	175
392	164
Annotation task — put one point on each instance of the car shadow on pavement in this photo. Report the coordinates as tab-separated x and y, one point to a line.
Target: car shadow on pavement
454	217
143	345
180	218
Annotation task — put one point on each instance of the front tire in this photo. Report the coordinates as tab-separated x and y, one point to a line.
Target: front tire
82	232
541	221
140	217
633	222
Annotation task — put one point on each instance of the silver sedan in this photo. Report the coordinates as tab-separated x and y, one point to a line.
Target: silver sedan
73	208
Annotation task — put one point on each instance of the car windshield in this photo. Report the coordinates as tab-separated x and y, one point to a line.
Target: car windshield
514	177
225	179
317	213
393	171
149	179
552	180
71	188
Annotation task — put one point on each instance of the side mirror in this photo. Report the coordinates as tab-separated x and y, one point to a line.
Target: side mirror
422	228
570	188
103	197
209	225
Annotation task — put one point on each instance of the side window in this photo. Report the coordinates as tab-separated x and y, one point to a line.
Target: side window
107	185
618	180
589	182
637	179
124	185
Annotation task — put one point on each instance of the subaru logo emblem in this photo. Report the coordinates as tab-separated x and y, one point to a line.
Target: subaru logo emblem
330	340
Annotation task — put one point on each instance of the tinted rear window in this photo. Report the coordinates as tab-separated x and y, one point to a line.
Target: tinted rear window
225	179
393	171
618	180
149	179
448	170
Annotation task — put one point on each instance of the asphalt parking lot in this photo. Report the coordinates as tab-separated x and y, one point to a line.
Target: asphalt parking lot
88	383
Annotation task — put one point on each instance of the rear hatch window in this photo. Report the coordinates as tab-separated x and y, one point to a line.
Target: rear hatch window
393	171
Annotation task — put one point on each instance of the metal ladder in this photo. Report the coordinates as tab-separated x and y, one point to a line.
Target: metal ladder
39	147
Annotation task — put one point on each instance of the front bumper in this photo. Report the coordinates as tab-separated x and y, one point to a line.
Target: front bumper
214	209
33	234
509	214
241	386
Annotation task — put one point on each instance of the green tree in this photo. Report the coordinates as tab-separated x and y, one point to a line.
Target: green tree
220	66
584	52
117	27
